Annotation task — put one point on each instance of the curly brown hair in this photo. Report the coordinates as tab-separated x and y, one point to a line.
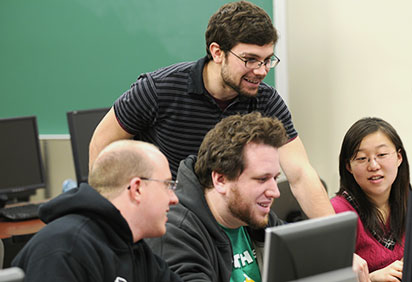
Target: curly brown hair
239	22
222	147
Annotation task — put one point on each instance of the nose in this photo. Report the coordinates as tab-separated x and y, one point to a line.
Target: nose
373	164
273	190
173	200
261	71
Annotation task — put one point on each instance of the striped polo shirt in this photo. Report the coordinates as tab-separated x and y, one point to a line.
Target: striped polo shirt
171	108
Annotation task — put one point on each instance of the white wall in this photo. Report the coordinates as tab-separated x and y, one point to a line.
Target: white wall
58	165
340	61
347	60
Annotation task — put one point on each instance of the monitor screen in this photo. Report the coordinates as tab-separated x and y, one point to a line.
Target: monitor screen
21	167
407	255
81	127
310	247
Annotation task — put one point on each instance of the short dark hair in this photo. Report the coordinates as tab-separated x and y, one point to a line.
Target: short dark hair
368	212
239	22
222	147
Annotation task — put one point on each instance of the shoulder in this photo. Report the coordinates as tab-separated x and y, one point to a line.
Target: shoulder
176	71
340	204
182	220
58	244
69	234
267	92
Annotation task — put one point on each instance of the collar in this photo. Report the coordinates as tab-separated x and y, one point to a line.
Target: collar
196	85
387	239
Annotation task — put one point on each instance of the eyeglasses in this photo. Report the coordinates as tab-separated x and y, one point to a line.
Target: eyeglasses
379	158
255	64
171	184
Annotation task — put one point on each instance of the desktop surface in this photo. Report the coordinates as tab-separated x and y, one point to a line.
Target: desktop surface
9	229
15	234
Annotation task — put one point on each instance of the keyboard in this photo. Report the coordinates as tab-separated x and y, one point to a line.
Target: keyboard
20	212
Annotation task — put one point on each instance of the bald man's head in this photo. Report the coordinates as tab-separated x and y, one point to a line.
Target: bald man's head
119	162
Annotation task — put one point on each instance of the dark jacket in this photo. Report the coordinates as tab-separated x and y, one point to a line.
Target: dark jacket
195	246
87	239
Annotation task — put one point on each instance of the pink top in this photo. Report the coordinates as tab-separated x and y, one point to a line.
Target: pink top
376	255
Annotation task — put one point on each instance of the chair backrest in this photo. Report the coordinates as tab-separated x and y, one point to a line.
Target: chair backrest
11	274
286	206
82	124
12	247
1	253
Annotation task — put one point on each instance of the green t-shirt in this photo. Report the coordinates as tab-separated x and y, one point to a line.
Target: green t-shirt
245	267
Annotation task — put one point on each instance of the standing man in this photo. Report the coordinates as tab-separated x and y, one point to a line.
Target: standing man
174	107
96	234
216	232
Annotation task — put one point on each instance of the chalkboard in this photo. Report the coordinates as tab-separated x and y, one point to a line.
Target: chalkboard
62	55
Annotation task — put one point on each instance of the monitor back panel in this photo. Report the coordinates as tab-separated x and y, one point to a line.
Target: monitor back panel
309	247
82	124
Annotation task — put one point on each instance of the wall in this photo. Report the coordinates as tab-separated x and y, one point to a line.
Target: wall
58	165
62	55
347	60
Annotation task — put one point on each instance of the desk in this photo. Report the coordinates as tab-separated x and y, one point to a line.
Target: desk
16	228
15	235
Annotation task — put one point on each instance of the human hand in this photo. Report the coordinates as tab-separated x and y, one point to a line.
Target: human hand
360	267
392	272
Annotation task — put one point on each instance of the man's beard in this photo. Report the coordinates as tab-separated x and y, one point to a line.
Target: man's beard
228	82
241	210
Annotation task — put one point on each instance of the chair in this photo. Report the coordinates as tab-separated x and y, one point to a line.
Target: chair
286	206
11	274
12	247
1	253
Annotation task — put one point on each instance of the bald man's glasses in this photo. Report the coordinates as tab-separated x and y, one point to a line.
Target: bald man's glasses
170	184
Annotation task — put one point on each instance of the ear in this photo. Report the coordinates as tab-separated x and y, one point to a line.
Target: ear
216	52
219	182
348	168
400	159
135	190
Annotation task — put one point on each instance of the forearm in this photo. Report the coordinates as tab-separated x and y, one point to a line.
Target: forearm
303	180
311	195
106	132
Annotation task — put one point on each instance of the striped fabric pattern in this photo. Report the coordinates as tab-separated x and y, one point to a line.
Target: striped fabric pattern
171	109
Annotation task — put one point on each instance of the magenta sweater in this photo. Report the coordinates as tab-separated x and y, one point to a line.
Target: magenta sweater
375	254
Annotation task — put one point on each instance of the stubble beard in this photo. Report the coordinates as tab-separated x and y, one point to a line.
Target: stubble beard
229	82
242	211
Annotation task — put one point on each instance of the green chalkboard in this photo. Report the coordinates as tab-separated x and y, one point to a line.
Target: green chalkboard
63	55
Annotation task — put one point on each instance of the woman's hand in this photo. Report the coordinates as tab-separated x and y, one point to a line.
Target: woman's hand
392	272
360	267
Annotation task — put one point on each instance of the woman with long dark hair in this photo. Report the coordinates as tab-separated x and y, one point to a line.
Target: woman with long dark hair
374	182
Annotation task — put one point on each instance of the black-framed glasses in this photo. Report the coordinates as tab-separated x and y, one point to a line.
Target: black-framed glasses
170	184
255	64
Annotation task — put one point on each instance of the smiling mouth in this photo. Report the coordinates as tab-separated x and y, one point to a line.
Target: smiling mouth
252	81
264	205
375	177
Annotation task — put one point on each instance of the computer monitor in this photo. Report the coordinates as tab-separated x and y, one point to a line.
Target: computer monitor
310	247
21	167
407	253
82	124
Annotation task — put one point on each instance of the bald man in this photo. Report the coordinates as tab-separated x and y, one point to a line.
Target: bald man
95	232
